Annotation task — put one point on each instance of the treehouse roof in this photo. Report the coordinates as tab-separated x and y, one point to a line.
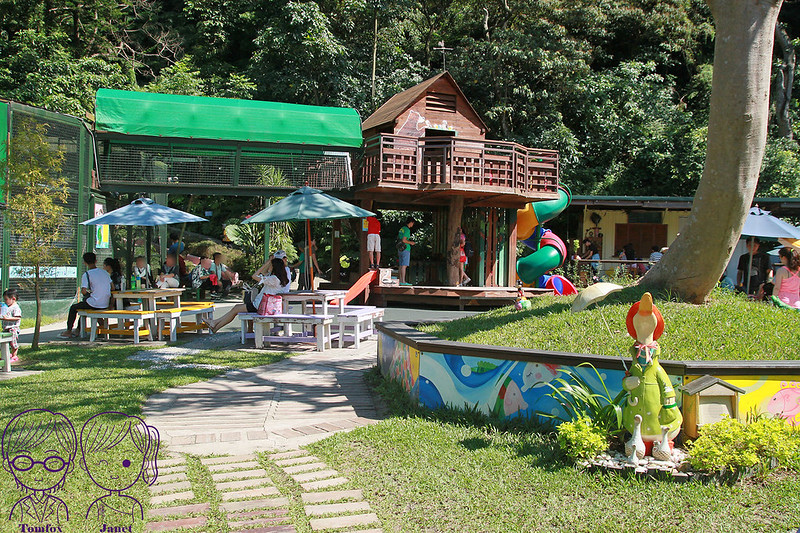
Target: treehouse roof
399	103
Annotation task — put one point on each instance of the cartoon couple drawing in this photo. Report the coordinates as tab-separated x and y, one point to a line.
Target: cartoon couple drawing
39	449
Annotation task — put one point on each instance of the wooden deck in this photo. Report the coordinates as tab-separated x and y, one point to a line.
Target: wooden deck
460	297
430	169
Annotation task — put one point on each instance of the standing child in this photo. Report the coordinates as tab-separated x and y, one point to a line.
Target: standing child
11	317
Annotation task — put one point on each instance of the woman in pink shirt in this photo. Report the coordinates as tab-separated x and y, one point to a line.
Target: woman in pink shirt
787	279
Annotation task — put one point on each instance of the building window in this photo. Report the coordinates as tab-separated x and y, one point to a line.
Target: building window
645	217
440	102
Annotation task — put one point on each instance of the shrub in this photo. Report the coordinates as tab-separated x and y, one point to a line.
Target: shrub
579	400
581	438
729	447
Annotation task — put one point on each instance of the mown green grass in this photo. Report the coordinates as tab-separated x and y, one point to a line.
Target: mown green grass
729	327
81	381
448	471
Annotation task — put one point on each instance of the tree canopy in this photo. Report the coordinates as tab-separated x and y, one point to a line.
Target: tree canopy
620	87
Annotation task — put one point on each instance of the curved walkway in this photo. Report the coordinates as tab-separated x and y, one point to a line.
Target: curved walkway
284	405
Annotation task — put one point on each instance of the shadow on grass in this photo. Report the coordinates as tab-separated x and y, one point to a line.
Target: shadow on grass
541	451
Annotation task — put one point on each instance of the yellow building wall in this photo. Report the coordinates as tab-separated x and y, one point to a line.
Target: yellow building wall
611	217
766	395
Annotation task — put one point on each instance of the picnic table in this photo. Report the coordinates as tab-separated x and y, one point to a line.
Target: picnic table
148	298
321	299
5	350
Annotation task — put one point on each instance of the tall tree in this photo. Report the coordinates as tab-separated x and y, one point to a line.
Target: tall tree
36	206
737	131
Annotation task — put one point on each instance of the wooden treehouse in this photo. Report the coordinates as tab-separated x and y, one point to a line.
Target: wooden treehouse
426	149
427	143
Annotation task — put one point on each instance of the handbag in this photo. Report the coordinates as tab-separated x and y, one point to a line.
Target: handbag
400	245
271	304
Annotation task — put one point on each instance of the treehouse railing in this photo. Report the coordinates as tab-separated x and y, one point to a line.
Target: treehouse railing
461	163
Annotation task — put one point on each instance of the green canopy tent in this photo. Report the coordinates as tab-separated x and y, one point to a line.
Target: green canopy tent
307	204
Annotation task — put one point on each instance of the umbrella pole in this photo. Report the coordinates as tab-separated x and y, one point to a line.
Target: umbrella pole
308	253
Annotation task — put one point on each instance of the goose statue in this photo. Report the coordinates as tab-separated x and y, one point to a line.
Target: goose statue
650	413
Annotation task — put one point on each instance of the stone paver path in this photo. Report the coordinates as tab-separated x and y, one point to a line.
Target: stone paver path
249	497
275	408
280	406
170	499
327	509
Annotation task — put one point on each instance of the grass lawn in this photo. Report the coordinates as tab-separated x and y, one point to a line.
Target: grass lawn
730	327
445	471
81	381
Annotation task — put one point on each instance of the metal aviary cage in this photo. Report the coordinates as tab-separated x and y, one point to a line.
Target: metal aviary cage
228	169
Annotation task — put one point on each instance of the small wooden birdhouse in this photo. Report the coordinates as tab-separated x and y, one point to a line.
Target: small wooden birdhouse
706	400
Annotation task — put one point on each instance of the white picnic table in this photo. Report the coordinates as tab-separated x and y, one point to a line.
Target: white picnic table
321	299
5	350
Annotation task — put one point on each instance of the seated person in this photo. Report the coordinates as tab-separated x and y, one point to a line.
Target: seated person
266	268
141	270
95	289
276	283
114	269
169	278
201	275
225	276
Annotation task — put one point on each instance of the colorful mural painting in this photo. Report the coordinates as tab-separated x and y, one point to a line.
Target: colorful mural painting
771	395
508	388
399	362
495	387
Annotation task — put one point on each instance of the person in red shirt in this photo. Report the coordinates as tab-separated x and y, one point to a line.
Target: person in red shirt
374	242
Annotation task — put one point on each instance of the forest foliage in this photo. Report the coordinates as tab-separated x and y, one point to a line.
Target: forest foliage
619	87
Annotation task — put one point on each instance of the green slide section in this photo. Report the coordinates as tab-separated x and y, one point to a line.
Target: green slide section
534	265
549	209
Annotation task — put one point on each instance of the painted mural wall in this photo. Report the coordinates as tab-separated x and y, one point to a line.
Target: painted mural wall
771	395
507	389
494	387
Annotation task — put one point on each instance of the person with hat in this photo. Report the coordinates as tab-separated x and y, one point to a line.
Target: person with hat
266	268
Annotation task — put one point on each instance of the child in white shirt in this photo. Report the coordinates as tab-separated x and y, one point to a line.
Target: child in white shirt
11	317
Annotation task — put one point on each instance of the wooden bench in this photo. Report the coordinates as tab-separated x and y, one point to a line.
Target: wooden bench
246	325
139	319
169	320
320	323
358	319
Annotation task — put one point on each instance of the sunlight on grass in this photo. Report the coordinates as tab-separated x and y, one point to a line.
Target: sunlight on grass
438	476
81	381
730	327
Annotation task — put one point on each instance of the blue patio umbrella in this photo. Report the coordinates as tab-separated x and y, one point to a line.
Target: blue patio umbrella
759	223
307	204
143	212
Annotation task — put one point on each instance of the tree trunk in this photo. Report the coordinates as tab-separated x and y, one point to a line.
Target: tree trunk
37	281
737	130
784	78
453	253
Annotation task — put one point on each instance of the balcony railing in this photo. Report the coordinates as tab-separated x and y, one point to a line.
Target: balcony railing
428	162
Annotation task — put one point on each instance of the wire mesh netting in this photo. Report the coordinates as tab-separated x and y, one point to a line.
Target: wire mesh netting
63	134
220	166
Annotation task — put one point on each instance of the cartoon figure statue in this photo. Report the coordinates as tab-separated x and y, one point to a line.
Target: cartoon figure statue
117	450
39	449
650	414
